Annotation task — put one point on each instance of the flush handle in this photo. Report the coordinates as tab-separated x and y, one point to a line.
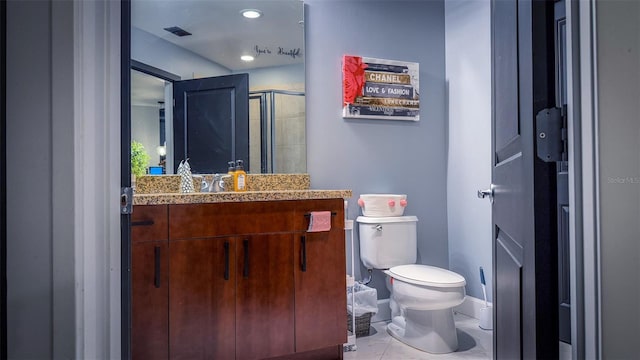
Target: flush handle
379	227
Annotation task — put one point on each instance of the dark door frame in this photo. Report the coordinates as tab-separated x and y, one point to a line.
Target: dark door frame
125	176
153	71
564	209
3	180
545	186
126	65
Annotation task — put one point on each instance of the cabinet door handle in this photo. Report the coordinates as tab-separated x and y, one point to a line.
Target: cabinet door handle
156	273
226	260
142	223
303	255
245	271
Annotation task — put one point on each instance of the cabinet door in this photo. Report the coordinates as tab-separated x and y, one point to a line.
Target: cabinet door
202	299
149	223
320	274
265	299
149	300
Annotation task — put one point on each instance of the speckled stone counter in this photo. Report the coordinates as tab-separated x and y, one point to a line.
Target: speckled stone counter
156	184
196	198
164	189
159	184
269	182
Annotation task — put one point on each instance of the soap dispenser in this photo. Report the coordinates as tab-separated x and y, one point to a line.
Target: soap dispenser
239	177
232	172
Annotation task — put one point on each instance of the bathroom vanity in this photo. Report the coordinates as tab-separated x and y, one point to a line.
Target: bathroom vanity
237	276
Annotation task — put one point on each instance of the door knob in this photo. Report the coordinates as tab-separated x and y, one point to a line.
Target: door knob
486	193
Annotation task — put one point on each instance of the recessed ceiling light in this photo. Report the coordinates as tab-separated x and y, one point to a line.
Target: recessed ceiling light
251	13
246	58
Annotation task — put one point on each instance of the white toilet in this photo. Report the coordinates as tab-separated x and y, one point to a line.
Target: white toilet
422	296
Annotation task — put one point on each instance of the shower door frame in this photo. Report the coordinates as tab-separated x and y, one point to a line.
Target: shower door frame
267	125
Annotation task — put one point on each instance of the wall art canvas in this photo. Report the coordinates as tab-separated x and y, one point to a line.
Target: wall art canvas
380	89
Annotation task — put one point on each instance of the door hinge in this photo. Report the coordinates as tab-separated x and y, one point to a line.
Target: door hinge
549	135
126	200
565	137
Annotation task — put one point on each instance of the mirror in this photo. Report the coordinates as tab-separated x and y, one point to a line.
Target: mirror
176	40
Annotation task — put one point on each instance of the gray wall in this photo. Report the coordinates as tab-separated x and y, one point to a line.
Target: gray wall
40	197
29	239
468	58
374	156
265	78
618	66
160	53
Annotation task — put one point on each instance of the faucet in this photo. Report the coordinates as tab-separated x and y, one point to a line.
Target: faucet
217	183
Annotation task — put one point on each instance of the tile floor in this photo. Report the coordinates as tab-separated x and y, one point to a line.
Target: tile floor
474	342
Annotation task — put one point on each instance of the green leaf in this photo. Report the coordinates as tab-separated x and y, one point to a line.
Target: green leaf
139	159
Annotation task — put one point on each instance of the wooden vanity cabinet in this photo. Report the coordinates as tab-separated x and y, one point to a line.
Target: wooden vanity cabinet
320	287
202	298
262	258
265	296
228	288
246	281
150	283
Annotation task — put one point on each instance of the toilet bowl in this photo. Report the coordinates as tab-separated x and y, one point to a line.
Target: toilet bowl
422	301
422	296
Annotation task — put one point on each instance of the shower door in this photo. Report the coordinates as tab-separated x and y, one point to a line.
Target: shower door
277	131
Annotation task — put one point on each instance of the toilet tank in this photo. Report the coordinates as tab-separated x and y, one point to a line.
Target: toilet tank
386	242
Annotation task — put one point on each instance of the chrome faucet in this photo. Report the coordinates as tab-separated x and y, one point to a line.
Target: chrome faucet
217	183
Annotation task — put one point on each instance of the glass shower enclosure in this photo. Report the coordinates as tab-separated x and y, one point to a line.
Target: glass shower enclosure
277	140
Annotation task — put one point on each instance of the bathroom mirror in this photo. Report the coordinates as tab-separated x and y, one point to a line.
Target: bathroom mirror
182	40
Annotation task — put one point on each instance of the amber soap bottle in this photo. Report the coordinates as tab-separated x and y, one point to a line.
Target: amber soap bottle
240	177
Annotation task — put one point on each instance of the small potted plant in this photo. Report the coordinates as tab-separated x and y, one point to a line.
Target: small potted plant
139	160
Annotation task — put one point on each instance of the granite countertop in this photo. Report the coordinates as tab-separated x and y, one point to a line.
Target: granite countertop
206	197
162	190
254	182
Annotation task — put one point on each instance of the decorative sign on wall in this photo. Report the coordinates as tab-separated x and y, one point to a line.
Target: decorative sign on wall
281	51
380	89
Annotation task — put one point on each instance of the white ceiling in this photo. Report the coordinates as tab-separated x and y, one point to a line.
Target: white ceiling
222	34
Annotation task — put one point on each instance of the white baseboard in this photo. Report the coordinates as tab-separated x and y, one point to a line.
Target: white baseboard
470	307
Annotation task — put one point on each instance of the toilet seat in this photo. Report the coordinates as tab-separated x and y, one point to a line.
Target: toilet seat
426	275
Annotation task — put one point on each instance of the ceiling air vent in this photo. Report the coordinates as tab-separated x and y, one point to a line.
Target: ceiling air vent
178	31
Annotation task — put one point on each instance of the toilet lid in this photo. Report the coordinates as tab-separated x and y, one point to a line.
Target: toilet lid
427	275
